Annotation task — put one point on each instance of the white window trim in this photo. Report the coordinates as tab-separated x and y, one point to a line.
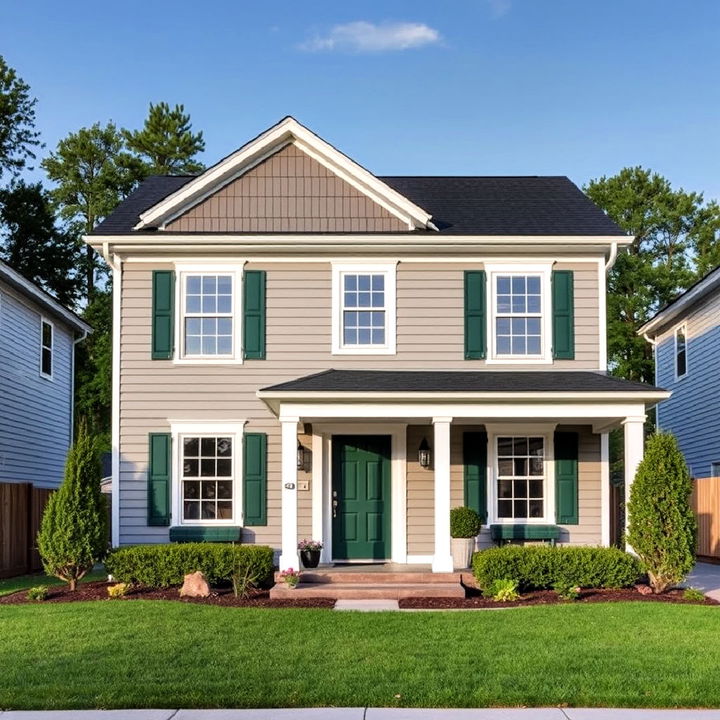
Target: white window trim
390	271
713	464
682	327
44	375
547	433
545	271
236	271
182	428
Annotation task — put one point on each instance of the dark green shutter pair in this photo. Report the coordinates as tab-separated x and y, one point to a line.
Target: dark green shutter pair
563	310
254	479
566	475
163	315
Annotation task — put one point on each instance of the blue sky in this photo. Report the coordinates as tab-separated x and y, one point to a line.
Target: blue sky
486	87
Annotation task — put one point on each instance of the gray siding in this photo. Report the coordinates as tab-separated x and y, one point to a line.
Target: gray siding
35	413
692	412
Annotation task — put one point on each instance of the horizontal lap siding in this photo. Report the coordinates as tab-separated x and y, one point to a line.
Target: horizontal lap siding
429	335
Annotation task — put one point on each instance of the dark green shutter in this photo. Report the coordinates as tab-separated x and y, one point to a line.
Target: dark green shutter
255	479
163	320
475	472
254	315
563	307
474	314
159	464
566	478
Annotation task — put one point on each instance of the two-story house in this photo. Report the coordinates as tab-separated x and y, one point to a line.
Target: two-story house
303	349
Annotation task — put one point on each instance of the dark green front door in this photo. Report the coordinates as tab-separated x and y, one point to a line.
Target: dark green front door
361	497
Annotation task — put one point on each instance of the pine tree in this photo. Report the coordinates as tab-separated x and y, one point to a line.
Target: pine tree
73	532
166	142
662	525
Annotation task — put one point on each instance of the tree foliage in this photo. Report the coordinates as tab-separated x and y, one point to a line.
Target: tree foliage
73	532
18	137
662	525
32	244
166	143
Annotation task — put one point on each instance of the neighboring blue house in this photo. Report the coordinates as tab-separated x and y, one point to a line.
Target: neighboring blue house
37	348
686	337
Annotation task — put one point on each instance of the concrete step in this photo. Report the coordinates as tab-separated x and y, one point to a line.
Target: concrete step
368	591
347	577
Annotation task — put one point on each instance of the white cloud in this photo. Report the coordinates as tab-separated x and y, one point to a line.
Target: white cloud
499	7
366	37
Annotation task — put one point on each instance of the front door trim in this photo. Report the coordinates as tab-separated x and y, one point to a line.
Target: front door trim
322	482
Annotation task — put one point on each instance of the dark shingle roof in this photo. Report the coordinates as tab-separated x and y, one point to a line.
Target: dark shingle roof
368	381
530	205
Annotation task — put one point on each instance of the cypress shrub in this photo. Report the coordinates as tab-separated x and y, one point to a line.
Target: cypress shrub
73	531
661	524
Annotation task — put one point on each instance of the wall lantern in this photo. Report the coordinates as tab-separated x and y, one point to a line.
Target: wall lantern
300	457
424	454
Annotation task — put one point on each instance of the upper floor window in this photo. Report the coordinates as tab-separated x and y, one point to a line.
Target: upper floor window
46	348
681	351
364	309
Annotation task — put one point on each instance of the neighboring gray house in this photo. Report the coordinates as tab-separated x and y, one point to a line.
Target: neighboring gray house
37	343
686	337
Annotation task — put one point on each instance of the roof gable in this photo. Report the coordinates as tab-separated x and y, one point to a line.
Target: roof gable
254	153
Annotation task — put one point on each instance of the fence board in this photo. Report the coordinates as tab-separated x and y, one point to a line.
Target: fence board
706	505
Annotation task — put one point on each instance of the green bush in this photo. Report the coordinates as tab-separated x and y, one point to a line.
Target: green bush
503	591
693	595
464	522
566	591
541	567
662	526
161	566
73	531
37	593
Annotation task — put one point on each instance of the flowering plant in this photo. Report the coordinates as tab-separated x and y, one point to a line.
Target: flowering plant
291	577
310	545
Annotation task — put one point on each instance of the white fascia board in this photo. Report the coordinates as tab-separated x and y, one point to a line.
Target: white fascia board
288	130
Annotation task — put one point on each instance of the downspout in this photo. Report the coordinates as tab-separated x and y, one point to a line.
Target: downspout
612	258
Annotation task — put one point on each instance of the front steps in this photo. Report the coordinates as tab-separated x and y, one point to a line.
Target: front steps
376	585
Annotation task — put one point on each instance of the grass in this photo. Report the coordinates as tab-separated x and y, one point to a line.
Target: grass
25	582
138	653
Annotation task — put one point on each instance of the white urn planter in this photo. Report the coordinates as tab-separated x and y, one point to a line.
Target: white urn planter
462	551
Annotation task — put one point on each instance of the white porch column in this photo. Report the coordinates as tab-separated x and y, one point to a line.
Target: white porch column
289	557
634	446
605	489
442	559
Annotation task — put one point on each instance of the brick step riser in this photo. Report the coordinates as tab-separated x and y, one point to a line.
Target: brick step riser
335	592
347	578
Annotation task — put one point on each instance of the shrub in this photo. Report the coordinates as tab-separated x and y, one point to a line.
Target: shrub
661	528
243	580
694	595
119	590
566	591
73	532
540	567
503	591
464	522
160	566
38	593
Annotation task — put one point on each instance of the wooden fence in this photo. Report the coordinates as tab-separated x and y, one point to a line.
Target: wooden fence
21	509
706	504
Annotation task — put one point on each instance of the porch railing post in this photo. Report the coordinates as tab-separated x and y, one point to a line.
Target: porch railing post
442	559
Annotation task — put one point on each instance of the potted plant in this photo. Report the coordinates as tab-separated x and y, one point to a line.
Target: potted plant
291	577
310	552
464	526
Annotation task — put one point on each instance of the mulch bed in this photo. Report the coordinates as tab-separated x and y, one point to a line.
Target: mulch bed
221	596
475	599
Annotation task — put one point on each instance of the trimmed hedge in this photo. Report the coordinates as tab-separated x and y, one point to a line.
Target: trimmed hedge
160	566
541	567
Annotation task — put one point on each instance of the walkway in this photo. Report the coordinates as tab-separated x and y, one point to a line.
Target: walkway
706	577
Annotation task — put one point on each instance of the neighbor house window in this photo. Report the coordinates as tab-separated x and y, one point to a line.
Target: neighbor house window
207	321
681	351
207	478
715	469
364	309
520	477
46	348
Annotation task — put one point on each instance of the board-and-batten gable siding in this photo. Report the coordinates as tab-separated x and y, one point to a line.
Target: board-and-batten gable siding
692	412
34	412
288	192
420	489
299	310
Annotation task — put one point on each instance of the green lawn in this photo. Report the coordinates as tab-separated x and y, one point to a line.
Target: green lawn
27	581
166	654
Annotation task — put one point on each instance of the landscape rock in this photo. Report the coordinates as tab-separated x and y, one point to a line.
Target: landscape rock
644	589
195	585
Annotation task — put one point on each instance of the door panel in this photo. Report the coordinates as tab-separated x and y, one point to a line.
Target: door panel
361	488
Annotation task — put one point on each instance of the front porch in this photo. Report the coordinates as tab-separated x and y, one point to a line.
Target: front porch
503	452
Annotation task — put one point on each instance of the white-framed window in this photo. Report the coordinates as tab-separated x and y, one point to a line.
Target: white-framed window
364	309
47	338
519	321
207	472
681	360
209	314
715	469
